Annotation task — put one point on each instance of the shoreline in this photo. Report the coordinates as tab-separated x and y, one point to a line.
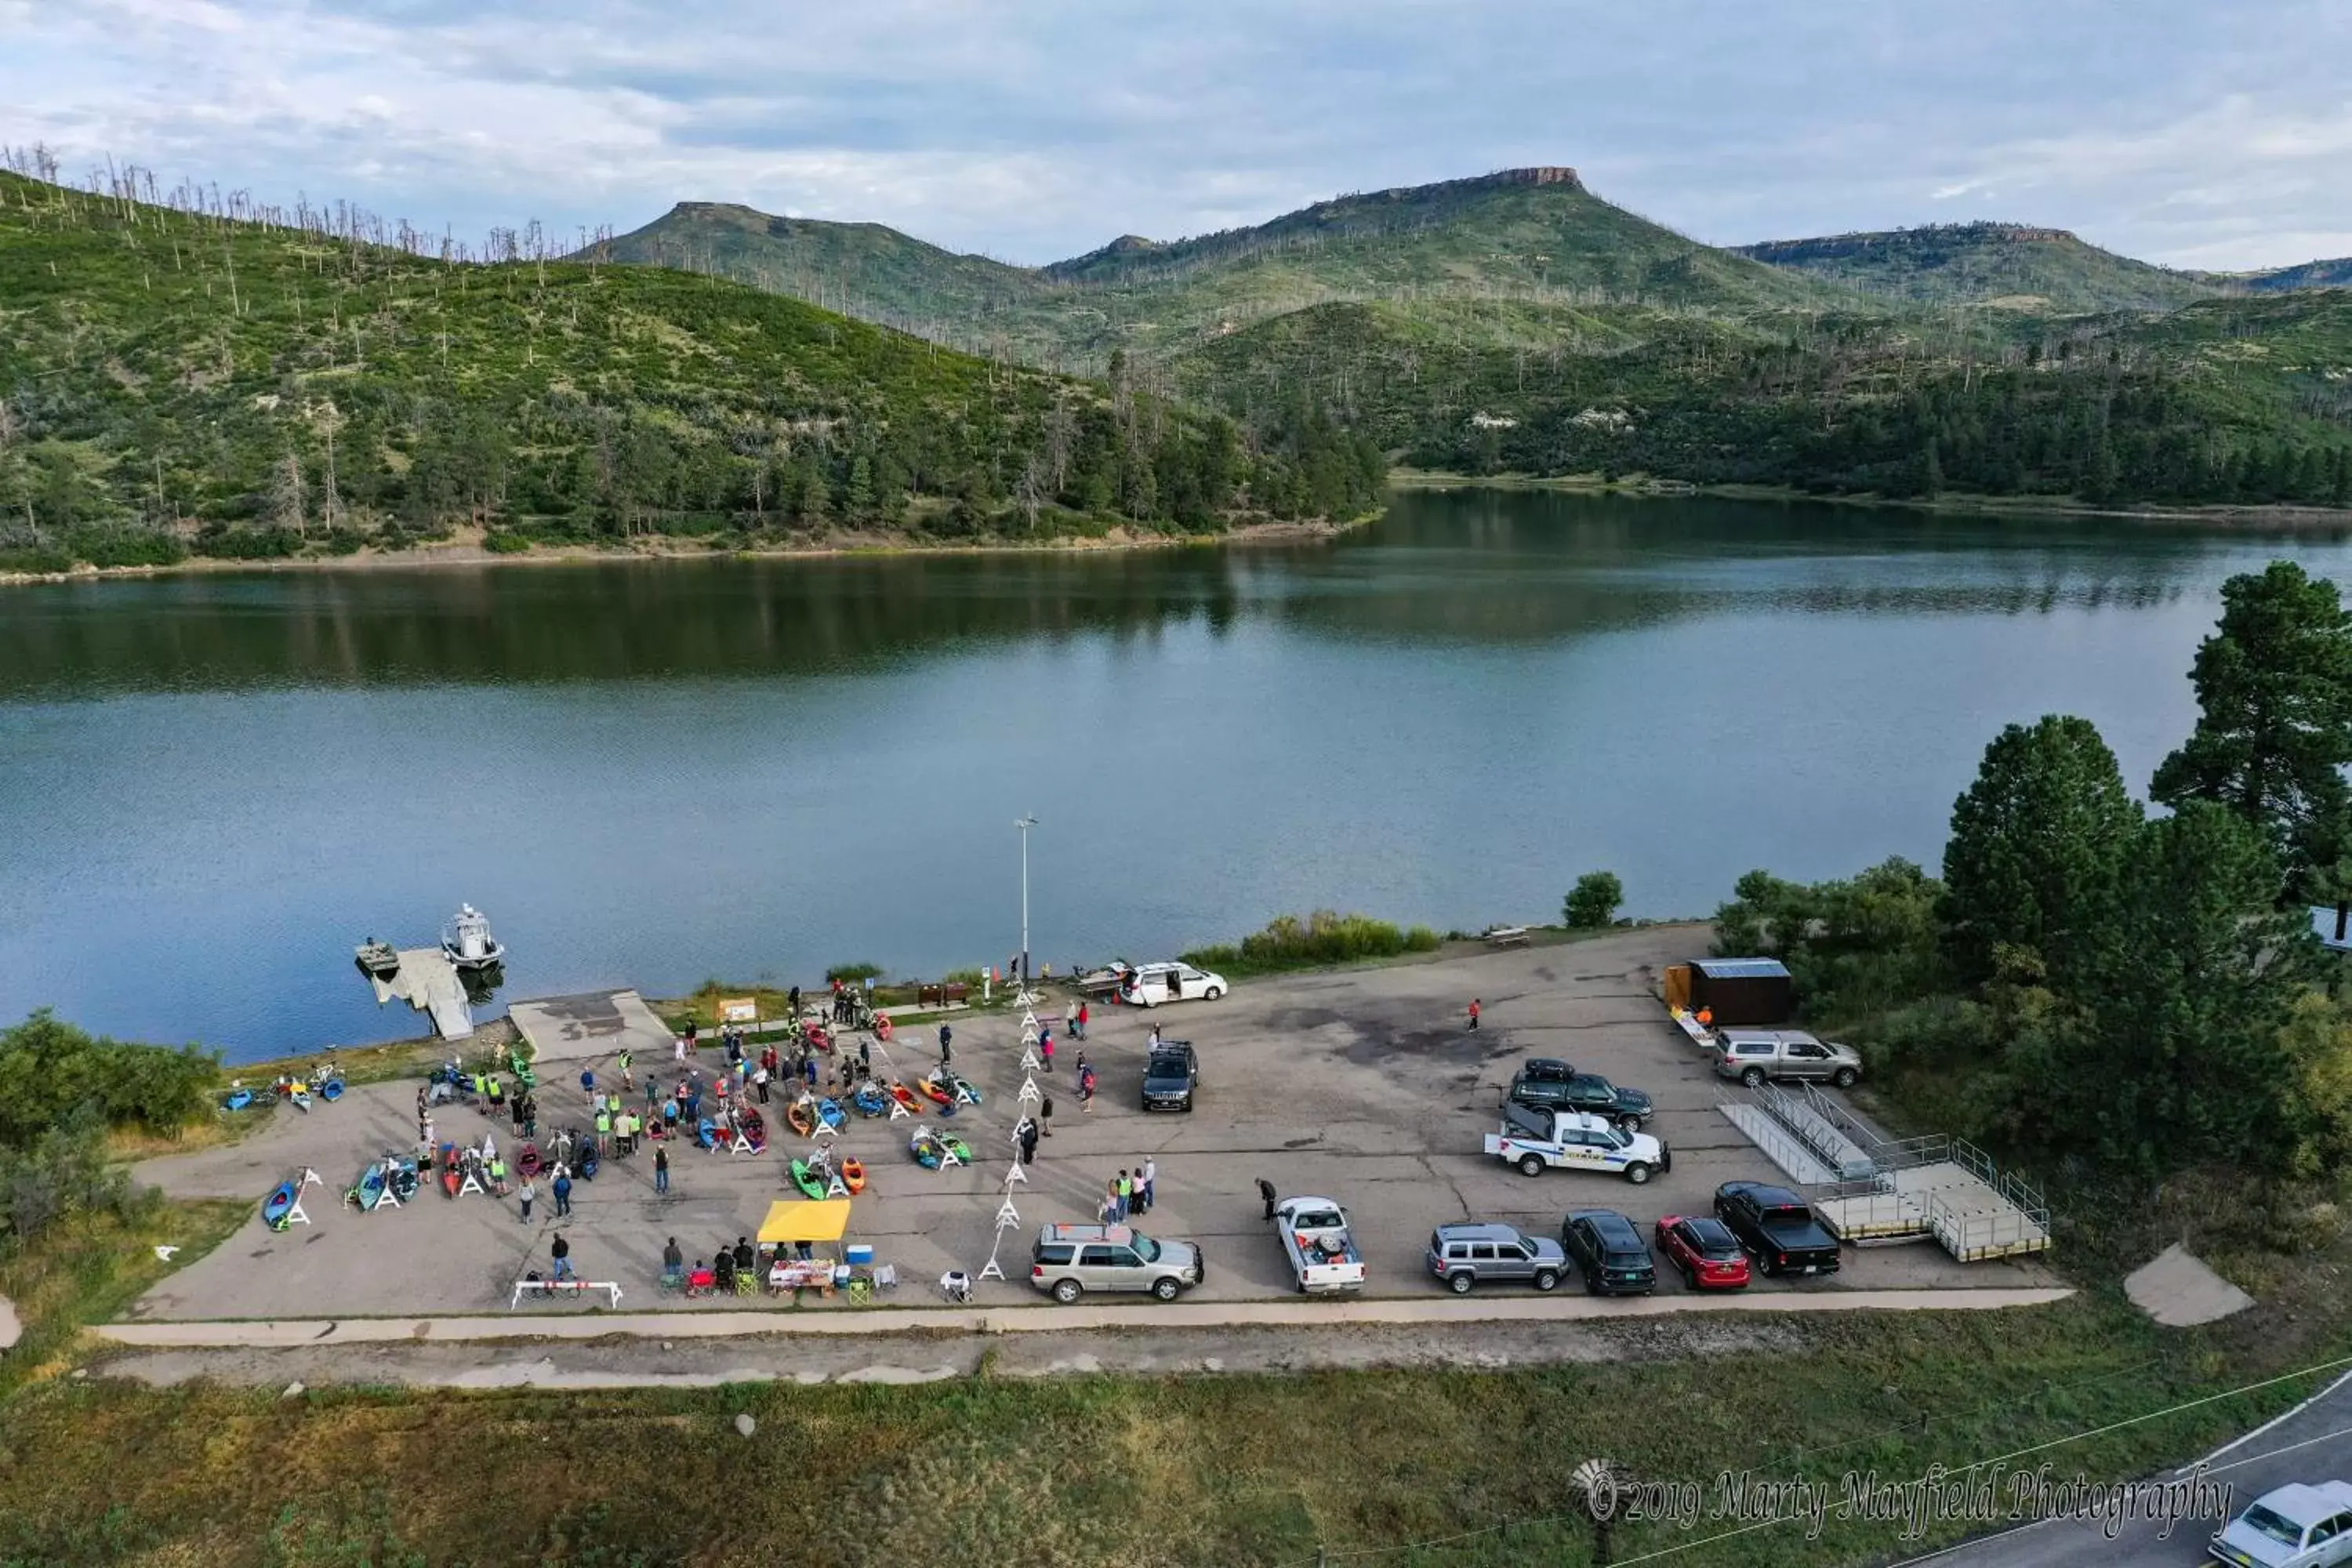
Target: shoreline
2283	518
468	549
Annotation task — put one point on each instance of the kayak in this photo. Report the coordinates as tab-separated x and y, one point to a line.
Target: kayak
371	1186
956	1146
239	1098
754	1129
279	1204
806	1178
852	1174
905	1096
870	1101
800	1117
829	1111
926	1150
403	1180
940	1089
333	1089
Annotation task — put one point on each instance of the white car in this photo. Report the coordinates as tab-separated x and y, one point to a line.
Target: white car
2297	1526
1537	1141
1153	983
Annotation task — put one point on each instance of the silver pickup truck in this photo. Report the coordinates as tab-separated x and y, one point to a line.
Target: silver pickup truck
1323	1254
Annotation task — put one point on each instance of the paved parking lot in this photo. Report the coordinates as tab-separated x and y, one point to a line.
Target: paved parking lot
1362	1085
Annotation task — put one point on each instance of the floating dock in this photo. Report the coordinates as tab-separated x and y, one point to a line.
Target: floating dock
428	982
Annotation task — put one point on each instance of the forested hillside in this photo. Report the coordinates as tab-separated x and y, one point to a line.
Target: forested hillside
1535	236
2047	272
2243	400
175	380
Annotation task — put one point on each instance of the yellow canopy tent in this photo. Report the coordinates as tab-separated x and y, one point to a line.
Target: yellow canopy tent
800	1219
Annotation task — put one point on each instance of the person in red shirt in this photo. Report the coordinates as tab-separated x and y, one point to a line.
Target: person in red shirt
1473	1011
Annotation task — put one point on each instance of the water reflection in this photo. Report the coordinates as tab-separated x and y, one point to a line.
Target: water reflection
1459	567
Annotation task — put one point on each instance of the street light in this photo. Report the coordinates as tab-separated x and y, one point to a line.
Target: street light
1025	824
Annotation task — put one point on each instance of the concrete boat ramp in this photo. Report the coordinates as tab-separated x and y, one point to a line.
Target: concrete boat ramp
428	982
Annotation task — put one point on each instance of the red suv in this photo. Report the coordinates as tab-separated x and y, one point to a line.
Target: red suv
1703	1249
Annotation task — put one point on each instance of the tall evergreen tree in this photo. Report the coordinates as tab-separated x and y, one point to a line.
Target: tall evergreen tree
2037	842
2274	687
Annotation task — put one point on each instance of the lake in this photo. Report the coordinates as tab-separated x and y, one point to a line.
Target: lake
648	774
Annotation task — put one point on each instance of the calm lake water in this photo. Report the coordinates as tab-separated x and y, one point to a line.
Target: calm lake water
210	787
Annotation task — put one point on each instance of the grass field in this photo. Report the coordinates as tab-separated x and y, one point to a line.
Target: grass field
1206	1470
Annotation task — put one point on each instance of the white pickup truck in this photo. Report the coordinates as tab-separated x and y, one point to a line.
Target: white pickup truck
1537	1141
1322	1254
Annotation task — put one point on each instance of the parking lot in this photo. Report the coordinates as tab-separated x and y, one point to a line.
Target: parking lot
1362	1084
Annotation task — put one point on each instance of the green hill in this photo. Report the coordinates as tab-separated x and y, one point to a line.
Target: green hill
2045	271
172	382
1523	235
2335	273
2240	401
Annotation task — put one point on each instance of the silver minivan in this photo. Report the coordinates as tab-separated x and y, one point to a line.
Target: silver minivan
1751	1056
1068	1260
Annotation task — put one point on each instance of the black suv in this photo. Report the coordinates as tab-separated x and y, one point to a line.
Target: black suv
1170	1075
1548	1084
1609	1250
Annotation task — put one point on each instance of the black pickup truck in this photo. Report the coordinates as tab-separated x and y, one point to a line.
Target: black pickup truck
1777	1228
1170	1075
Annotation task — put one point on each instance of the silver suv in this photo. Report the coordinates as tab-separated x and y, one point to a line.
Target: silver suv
1068	1260
1467	1255
1751	1056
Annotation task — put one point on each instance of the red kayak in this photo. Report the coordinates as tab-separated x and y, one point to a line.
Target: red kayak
905	1096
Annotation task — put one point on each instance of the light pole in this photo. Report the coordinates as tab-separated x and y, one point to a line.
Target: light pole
1025	824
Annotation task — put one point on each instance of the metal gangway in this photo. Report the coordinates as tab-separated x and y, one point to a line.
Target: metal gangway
1870	1189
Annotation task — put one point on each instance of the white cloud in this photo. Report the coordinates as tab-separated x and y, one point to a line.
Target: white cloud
2177	130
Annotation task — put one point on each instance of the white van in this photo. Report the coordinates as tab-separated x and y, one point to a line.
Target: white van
1153	983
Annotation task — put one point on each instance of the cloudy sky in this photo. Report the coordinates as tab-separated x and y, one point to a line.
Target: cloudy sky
2212	134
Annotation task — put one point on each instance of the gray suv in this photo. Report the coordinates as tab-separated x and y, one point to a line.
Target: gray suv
1751	1056
1467	1255
1069	1261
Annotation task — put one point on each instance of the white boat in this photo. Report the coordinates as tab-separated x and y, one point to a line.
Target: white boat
467	941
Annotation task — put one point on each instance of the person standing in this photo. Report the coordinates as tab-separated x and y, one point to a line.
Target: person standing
1028	1141
514	1112
1045	1117
1111	1212
628	1079
1080	1032
561	1250
1045	1047
1070	1018
661	1170
673	1264
793	1002
563	1189
526	1194
1473	1011
1087	1090
1126	1190
1154	1043
866	1058
588	1084
1266	1191
1148	1177
946	1036
759	1082
808	1070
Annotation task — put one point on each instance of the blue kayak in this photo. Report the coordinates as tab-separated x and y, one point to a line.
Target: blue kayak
239	1098
371	1184
279	1204
332	1088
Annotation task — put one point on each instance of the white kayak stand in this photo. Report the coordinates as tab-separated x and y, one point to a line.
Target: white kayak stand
1007	1218
1030	1093
898	1108
473	1181
389	1198
562	1287
294	1215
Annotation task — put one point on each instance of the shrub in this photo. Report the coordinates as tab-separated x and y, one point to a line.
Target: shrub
50	1069
851	974
1420	939
505	542
62	1172
1592	903
1289	941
